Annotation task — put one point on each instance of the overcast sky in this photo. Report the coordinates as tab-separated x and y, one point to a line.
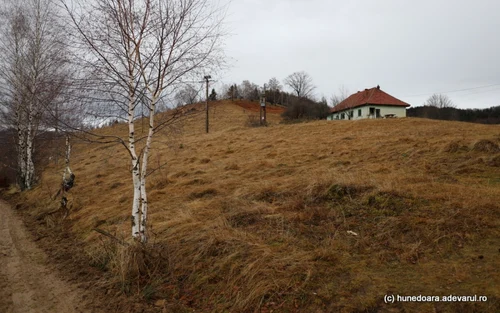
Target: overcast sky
412	49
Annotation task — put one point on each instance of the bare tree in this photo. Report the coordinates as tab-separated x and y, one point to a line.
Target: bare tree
274	89
139	51
249	91
187	95
440	101
224	91
274	84
32	75
323	101
301	83
340	96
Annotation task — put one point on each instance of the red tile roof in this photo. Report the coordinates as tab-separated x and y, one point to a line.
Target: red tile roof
373	96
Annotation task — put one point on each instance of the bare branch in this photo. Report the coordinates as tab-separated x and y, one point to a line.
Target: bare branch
301	83
440	101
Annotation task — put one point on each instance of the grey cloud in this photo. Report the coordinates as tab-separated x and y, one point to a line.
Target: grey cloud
409	48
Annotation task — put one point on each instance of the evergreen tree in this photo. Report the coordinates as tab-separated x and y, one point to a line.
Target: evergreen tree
213	95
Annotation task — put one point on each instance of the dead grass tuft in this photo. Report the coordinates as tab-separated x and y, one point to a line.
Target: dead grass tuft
390	203
311	217
338	192
115	185
136	267
271	194
205	161
162	182
232	167
253	120
197	181
486	146
494	161
180	174
203	193
455	146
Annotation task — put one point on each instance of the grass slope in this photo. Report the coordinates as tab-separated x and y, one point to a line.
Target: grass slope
313	217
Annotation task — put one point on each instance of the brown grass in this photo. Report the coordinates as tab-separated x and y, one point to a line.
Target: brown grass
261	219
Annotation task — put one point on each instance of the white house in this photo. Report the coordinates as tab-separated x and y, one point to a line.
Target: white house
370	103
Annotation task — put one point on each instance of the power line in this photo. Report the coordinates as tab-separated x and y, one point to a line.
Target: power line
457	90
473	93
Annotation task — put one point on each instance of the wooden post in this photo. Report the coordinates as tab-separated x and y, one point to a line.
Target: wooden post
206	105
263	120
265	115
260	115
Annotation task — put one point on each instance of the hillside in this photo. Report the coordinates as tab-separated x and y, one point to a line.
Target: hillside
313	217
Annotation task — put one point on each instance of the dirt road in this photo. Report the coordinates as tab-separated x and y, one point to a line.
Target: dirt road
26	282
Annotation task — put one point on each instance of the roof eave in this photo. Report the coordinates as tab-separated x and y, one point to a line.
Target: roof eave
391	105
365	104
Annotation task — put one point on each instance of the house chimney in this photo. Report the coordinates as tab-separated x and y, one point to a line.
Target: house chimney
378	87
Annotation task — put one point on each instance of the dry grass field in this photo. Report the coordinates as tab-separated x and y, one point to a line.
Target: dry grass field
325	216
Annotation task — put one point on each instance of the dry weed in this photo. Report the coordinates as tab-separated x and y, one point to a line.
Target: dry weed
320	216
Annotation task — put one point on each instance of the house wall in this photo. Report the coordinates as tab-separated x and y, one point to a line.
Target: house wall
398	111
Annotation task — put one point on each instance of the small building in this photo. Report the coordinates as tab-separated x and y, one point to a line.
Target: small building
370	103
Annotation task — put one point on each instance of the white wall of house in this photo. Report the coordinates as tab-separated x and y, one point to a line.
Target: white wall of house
364	112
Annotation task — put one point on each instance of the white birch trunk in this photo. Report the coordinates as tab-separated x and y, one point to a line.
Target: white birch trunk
21	153
33	107
17	112
144	204
26	167
136	178
144	168
67	170
30	166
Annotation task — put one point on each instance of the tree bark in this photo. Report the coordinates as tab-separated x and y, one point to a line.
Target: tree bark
144	169
136	178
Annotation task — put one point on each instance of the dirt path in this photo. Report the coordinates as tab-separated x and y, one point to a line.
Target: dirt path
26	282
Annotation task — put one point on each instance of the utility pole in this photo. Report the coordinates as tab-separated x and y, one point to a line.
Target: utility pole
207	79
263	118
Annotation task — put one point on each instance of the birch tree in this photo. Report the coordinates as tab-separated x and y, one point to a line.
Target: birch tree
32	75
138	51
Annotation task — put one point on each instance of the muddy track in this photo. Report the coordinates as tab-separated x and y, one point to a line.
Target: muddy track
27	283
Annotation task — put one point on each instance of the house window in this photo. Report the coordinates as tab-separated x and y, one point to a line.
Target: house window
342	116
359	112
